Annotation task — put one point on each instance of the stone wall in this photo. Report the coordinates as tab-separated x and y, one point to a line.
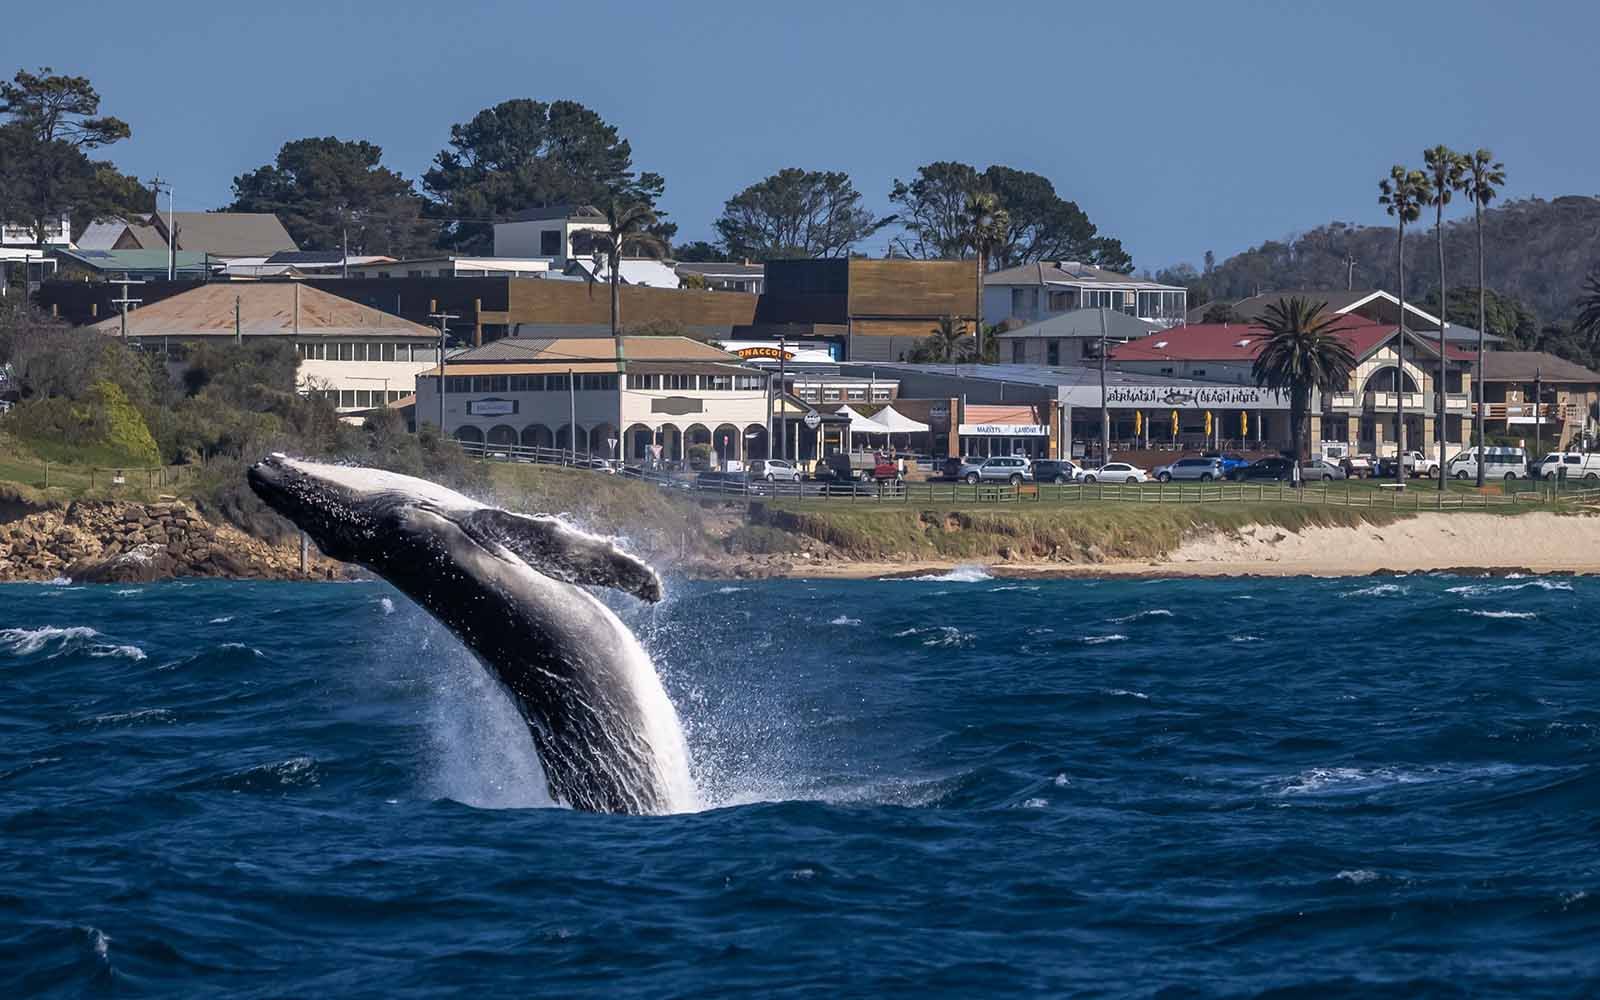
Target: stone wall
116	541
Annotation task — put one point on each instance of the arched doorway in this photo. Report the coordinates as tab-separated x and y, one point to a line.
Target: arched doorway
697	445
728	442
672	443
755	442
469	435
636	442
600	437
564	438
537	436
502	436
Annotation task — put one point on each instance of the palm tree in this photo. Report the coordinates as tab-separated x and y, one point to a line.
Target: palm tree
947	337
988	223
1300	353
1587	324
1447	174
1403	192
628	223
1483	176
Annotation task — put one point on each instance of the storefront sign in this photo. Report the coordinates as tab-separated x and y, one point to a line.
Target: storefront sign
1181	397
812	419
1004	430
491	407
757	350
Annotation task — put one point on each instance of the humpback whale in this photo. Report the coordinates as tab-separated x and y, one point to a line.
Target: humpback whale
508	585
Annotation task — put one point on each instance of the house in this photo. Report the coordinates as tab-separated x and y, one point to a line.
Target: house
873	310
1071	337
635	398
724	276
634	271
449	266
141	265
22	234
1567	397
1361	414
25	266
1374	304
545	232
299	263
357	356
1031	292
216	234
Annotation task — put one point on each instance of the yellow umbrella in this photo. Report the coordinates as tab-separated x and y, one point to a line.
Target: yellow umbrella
1174	425
1138	421
1244	423
1208	423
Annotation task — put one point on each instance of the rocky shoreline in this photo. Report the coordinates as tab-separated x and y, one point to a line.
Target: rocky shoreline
94	541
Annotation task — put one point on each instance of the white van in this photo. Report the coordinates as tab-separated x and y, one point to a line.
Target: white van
1499	463
1579	465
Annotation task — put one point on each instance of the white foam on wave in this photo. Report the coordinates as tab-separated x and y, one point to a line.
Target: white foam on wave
1096	640
128	591
939	636
1358	876
731	589
1125	693
1485	589
138	715
387	605
1005	588
1245	638
222	620
1520	615
1380	590
961	574
27	641
845	620
122	652
1152	613
60	581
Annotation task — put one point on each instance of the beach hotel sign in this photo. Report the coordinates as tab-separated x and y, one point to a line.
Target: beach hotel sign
1174	397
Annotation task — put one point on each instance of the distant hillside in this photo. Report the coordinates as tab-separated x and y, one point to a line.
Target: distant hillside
1536	251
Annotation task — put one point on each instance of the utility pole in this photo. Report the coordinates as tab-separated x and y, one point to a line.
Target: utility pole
572	415
1349	271
125	302
238	330
157	185
783	350
1105	415
1538	421
443	319
344	242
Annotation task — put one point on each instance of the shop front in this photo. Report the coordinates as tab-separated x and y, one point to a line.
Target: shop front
988	430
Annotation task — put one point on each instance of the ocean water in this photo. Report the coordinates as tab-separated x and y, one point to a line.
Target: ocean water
951	786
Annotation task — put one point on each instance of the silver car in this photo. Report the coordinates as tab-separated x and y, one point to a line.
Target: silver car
773	470
1009	469
1203	469
1319	468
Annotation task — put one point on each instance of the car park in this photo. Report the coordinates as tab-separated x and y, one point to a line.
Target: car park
1116	472
1203	469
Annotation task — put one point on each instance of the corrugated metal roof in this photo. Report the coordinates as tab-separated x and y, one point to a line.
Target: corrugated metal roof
559	350
1084	323
230	234
265	309
1522	366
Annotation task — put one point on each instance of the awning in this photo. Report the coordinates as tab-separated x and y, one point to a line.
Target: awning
863	425
899	423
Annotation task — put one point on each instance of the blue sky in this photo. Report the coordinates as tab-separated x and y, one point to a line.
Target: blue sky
1179	127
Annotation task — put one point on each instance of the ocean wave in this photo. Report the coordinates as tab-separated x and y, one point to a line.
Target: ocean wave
1125	693
387	605
242	647
1245	638
1095	640
1485	589
961	574
1380	590
1013	587
60	641
1358	876
138	715
1520	615
1342	779
223	620
731	589
939	636
844	620
1152	613
128	591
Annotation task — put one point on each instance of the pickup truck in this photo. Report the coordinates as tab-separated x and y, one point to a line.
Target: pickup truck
1417	465
840	467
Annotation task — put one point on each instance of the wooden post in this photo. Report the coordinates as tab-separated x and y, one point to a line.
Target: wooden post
477	322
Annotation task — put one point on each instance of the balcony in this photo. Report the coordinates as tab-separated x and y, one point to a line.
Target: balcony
1414	401
1457	402
1524	413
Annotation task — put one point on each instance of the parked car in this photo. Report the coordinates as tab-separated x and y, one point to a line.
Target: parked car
840	467
1499	463
1279	470
1417	465
773	469
1579	465
1116	472
1055	470
1011	469
1203	469
1321	468
1230	460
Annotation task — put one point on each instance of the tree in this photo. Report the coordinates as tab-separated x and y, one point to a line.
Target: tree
1446	171
332	194
698	251
1484	176
1402	193
796	213
1220	312
524	153
1300	353
1044	226
943	345
987	226
628	227
1588	322
49	122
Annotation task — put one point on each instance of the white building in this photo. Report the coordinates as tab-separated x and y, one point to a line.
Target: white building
641	271
1031	292
545	232
644	393
21	234
355	355
455	267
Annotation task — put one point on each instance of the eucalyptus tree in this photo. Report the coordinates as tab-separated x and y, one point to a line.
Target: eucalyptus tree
1484	176
1402	193
1446	171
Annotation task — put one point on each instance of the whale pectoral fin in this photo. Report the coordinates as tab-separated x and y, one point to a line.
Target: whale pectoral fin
565	553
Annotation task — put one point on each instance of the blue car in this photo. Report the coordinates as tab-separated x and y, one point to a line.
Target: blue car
1229	461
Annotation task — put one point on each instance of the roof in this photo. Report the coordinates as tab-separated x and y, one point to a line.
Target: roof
305	257
722	268
1523	366
565	211
139	260
229	234
148	237
265	309
1240	342
648	273
1085	323
1070	272
101	235
562	350
1366	300
1050	377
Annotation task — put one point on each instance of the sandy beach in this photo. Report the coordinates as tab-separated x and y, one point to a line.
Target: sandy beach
1478	543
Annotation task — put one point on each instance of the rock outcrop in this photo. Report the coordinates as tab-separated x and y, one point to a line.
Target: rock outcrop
117	541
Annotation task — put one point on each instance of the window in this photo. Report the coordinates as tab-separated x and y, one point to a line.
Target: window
424	355
1016	352
550	243
360	352
1018	301
1062	301
413	274
347	352
383	274
1198	371
1052	352
855	395
716	383
347	398
830	395
881	392
808	393
556	383
364	398
388	352
458	383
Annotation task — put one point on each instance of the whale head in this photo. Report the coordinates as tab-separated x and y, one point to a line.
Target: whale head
357	514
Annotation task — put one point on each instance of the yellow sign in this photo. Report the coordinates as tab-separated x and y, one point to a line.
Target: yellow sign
1208	423
1244	423
765	352
1138	421
1174	425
